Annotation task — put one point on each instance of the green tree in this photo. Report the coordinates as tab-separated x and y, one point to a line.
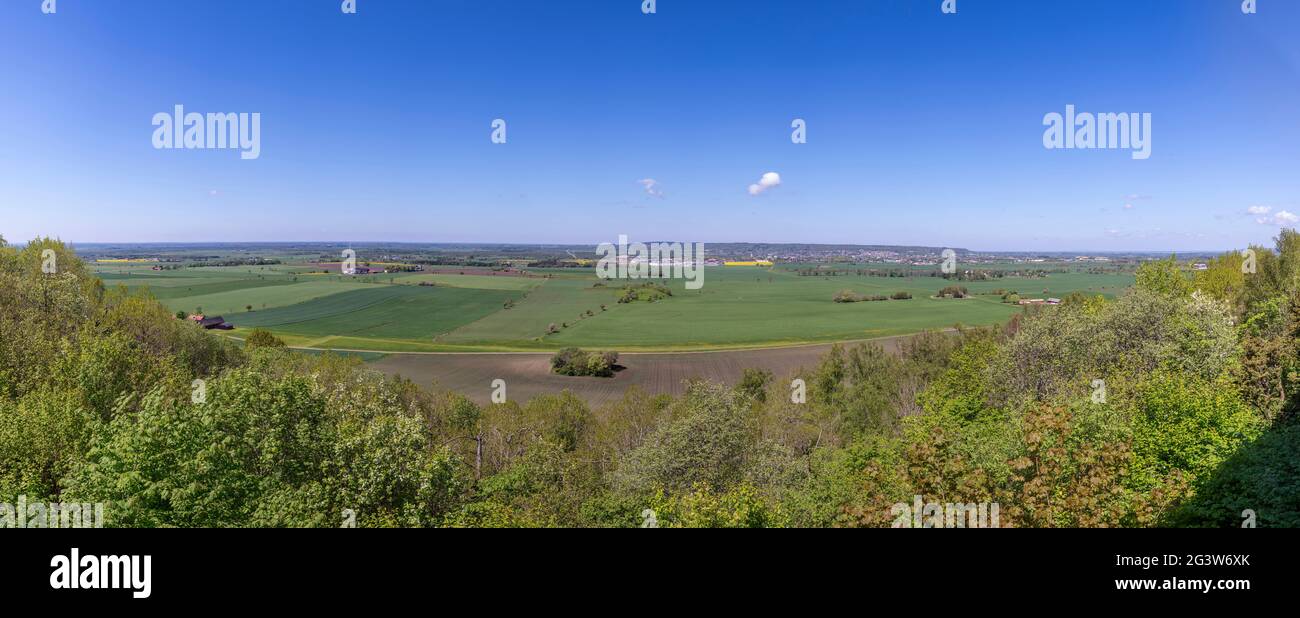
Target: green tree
708	442
266	450
1163	277
1187	424
754	382
1223	279
262	338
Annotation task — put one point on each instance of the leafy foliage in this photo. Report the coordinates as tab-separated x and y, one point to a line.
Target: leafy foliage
1173	404
575	362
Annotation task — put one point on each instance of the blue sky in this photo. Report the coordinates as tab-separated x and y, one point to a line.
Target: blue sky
923	128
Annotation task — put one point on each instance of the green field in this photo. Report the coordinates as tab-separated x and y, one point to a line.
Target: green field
750	306
382	312
469	281
448	311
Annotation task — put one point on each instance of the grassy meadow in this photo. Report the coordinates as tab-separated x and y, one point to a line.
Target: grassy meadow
474	309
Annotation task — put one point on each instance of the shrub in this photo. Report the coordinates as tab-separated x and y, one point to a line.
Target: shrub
953	291
849	296
846	296
576	362
262	338
649	292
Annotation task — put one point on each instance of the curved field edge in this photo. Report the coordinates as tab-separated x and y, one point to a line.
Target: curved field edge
365	345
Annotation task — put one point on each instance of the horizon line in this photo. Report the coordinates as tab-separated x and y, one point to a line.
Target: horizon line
74	244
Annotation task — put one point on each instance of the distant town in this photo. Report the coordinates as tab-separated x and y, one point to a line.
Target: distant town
377	258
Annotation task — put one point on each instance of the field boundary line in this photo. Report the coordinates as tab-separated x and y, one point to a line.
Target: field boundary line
552	352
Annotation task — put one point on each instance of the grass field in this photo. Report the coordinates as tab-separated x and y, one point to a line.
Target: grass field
481	282
230	301
751	305
382	312
444	310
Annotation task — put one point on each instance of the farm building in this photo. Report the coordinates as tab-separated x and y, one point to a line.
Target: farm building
211	323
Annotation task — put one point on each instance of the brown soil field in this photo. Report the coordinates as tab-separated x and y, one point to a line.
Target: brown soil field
529	374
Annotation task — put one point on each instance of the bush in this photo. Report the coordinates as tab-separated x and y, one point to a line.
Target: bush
849	296
262	338
576	362
648	292
953	291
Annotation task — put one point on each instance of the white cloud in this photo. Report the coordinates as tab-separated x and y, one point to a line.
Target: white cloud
769	180
1134	197
651	187
1264	215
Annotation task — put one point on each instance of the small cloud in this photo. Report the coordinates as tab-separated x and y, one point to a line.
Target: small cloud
769	180
651	187
1264	215
213	193
1134	197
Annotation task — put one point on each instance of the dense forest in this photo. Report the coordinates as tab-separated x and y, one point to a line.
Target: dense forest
1171	405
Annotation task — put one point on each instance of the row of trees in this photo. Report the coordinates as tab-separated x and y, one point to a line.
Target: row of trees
849	296
1173	404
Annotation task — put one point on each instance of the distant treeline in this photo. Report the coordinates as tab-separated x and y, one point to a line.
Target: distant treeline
255	261
902	273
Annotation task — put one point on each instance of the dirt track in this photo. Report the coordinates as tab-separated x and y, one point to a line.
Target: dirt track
528	374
